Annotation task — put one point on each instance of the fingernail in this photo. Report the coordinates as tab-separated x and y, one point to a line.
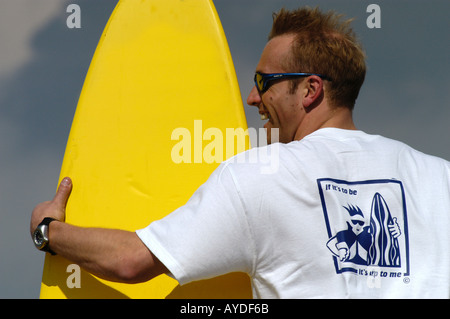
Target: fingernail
65	181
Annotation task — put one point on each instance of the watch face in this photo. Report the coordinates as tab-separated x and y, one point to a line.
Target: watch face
38	238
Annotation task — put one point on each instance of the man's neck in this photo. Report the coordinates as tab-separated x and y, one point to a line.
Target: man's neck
340	117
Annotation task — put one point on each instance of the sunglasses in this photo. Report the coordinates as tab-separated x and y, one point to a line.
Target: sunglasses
359	222
264	80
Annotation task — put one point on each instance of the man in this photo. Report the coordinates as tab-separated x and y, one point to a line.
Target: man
291	231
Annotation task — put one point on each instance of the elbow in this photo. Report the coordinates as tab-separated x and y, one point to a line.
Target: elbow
139	265
130	270
135	263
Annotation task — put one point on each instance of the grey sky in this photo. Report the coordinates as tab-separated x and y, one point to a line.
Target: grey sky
43	65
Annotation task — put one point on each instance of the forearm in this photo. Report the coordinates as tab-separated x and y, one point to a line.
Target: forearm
111	254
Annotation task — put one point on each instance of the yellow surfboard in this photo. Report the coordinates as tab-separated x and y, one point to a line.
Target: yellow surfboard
160	107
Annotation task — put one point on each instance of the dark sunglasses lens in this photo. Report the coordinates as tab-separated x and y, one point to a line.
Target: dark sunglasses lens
359	222
259	81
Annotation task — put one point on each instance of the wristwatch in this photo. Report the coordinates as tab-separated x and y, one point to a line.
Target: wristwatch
40	235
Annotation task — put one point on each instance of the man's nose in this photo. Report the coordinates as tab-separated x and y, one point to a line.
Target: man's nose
254	99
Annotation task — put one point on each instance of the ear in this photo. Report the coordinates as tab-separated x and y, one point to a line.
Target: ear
312	91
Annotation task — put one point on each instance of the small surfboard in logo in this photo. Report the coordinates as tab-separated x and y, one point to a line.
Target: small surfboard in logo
367	225
385	250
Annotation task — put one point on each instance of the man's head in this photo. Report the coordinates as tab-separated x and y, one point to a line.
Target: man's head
308	41
323	44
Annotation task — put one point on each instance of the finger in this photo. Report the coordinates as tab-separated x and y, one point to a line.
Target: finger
63	192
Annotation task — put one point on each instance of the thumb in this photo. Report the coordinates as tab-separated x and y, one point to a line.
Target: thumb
63	193
394	221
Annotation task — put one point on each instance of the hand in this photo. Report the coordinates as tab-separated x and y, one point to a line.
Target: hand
343	254
394	228
55	208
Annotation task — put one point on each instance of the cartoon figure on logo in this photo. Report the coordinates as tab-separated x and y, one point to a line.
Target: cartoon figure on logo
374	244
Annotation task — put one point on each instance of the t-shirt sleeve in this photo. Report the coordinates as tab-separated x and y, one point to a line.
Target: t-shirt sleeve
207	237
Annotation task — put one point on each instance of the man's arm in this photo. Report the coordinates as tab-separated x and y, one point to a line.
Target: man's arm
111	254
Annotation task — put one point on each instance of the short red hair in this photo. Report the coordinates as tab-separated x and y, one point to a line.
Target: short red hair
326	45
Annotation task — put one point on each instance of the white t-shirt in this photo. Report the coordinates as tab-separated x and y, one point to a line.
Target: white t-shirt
339	214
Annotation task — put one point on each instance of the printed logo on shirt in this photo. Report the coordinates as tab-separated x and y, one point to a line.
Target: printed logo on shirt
367	226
